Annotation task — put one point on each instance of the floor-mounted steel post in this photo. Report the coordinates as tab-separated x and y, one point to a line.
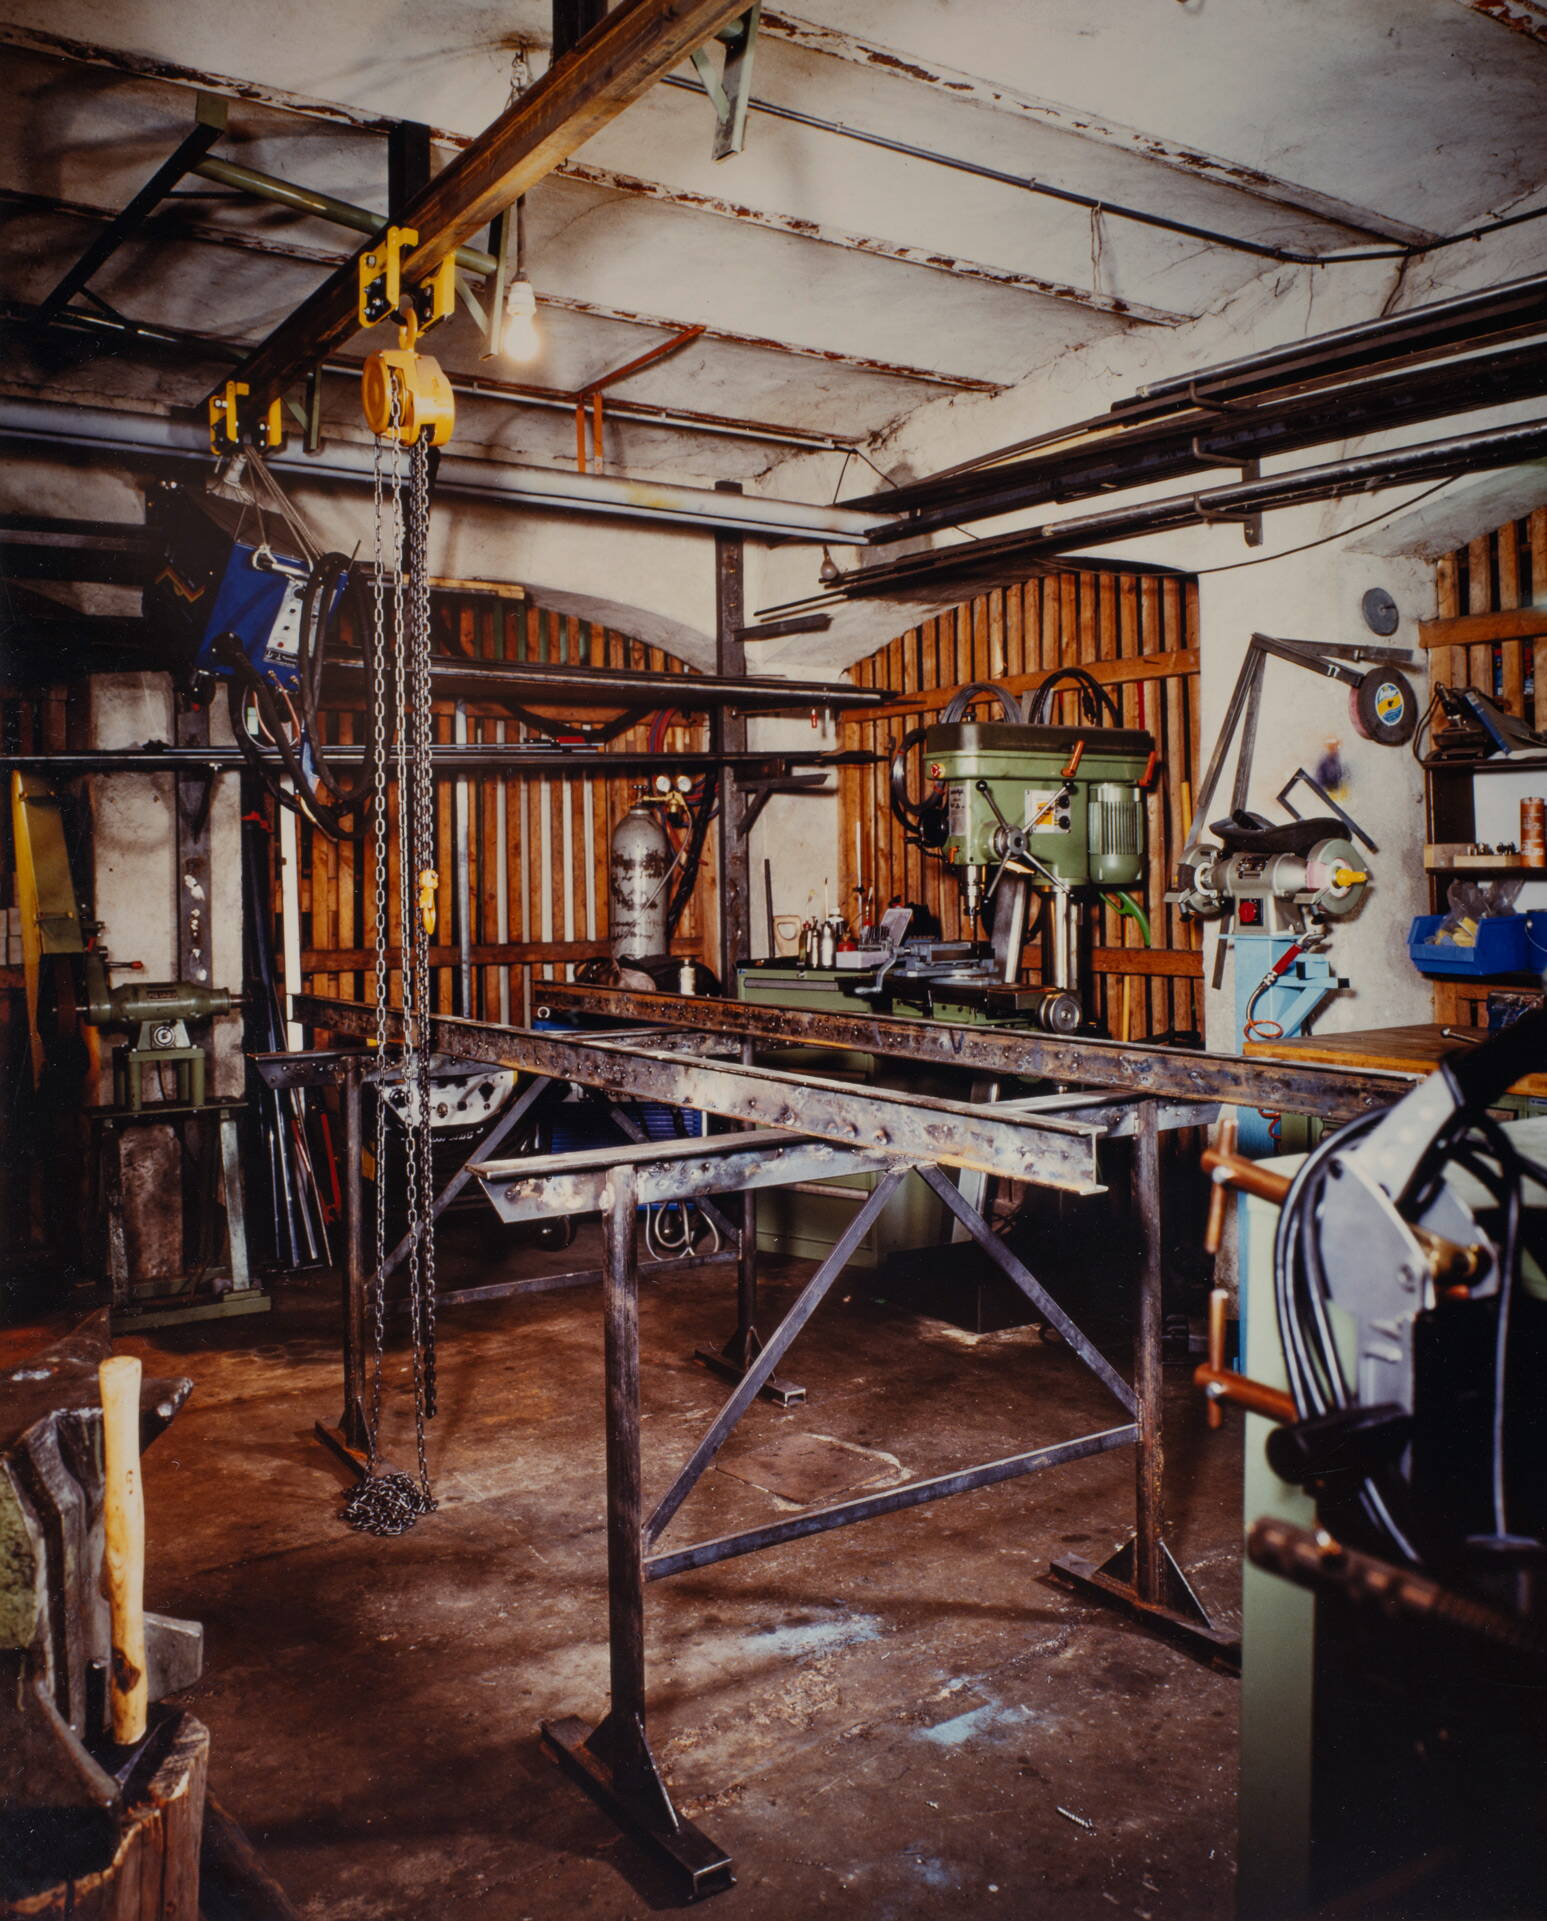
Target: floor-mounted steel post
352	1420
1149	1364
348	1439
741	1350
1142	1578
613	1762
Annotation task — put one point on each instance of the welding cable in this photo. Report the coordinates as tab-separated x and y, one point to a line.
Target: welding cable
247	682
1093	697
682	892
1506	1193
1312	1360
329	573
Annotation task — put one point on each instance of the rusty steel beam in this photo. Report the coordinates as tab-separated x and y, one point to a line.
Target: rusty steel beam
950	83
337	113
632	48
1520	16
1043	1149
767	343
1132	1067
799	228
644	413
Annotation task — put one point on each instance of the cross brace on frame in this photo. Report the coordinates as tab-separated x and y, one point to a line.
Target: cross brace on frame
613	1761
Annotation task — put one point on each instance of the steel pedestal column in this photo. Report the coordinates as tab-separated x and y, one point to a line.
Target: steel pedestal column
613	1762
742	1349
348	1438
1142	1578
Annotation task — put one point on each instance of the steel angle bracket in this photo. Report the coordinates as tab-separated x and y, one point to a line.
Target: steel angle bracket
730	90
1177	1615
629	1790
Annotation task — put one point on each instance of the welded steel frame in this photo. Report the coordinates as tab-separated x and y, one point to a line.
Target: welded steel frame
1129	1067
1011	1142
349	1070
613	1761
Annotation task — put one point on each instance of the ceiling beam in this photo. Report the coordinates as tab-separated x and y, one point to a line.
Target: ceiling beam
1520	16
145	334
337	113
611	67
856	363
949	82
878	249
273	246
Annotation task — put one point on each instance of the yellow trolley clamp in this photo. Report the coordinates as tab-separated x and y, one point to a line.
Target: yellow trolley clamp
425	405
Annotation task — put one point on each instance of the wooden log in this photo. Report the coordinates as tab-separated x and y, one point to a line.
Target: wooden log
123	1522
148	1866
234	1884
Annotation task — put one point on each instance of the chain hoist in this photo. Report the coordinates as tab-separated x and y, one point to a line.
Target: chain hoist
408	405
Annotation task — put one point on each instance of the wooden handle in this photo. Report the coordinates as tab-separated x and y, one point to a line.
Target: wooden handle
123	1527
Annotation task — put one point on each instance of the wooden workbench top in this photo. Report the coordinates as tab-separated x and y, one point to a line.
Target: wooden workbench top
1403	1050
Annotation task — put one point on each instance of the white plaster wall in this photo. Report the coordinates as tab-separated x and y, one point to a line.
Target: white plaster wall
797	833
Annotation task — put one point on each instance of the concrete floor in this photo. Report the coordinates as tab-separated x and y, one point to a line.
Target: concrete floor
899	1719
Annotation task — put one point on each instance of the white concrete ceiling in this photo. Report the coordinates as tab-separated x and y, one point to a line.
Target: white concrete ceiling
1300	123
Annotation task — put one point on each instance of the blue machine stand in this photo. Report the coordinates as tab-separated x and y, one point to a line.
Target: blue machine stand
1282	1010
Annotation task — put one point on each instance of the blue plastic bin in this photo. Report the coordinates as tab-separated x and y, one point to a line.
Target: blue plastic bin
1515	944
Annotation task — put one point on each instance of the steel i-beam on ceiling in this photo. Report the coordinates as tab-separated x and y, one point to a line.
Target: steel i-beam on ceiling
634	46
931	259
337	113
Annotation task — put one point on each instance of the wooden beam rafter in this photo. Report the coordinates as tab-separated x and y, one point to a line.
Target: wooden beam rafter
1462	630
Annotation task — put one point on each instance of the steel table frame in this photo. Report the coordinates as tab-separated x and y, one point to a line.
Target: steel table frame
613	1761
1049	1140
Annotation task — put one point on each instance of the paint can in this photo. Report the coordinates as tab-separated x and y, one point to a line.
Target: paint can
1533	831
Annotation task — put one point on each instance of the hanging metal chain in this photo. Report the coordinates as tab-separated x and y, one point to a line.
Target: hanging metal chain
380	738
390	1504
419	638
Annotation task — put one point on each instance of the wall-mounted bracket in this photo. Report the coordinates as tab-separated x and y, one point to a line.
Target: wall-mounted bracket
730	90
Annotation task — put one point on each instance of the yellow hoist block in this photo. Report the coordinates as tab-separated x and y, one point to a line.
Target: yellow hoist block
429	881
425	406
225	421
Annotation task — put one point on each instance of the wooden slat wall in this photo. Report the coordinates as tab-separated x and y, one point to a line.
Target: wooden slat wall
1498	572
543	905
1138	636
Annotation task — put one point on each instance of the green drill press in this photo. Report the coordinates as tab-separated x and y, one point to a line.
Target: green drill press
1021	808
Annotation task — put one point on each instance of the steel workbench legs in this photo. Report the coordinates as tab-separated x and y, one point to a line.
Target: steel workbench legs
1142	1578
741	1350
613	1762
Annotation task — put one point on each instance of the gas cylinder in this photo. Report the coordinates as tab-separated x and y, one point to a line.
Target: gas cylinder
637	888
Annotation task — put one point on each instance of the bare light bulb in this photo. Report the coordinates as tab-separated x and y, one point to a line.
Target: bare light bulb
827	573
520	339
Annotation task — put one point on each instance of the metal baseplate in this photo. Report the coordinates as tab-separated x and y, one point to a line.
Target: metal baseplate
640	1805
1178	1615
731	1363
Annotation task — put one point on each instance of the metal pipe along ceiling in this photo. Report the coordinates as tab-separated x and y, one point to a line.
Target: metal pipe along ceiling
100	429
